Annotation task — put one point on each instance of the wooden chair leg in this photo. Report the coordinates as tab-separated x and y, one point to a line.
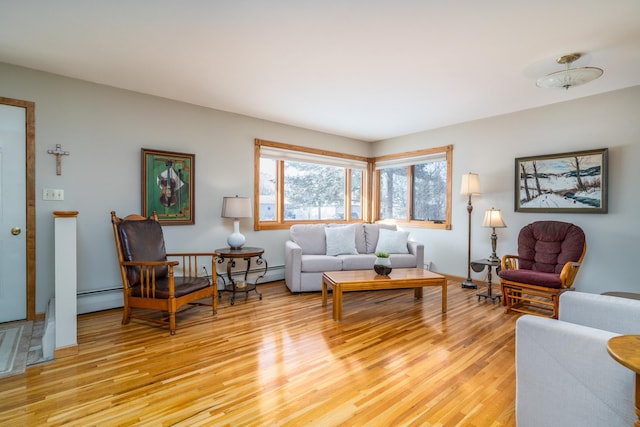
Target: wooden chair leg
126	315
172	323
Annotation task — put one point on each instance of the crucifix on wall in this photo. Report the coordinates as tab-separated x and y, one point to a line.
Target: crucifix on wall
58	153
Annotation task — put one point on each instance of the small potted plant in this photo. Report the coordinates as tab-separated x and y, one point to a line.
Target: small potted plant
382	264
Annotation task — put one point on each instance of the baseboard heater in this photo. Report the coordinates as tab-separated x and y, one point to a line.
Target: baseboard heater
93	300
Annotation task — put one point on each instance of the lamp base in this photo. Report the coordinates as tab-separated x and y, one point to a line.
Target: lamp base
235	239
469	284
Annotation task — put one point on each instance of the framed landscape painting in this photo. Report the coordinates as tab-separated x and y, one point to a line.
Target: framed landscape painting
168	186
562	183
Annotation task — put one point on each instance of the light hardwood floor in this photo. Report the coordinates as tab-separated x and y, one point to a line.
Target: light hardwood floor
393	361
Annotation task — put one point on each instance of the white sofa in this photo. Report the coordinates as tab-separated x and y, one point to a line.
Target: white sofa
306	253
564	374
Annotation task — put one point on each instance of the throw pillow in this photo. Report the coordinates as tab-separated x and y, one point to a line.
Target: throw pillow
393	242
341	240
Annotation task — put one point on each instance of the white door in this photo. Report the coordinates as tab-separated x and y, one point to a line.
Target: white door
13	289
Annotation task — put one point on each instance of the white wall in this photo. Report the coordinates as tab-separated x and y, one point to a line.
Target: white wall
104	129
489	147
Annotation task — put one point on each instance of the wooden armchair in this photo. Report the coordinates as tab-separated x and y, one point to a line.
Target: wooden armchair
148	272
549	256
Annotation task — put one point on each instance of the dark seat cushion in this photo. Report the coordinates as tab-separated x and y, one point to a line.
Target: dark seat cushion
142	241
183	286
548	280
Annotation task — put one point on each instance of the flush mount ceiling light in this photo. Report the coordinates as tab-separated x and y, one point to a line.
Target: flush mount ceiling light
570	76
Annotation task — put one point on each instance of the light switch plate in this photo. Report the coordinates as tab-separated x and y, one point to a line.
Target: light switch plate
52	194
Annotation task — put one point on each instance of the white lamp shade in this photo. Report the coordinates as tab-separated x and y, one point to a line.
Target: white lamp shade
493	219
236	207
470	184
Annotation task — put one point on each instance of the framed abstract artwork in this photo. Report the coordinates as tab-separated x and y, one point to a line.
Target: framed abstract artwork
168	186
573	182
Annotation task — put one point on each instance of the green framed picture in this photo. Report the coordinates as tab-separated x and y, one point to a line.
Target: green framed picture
168	186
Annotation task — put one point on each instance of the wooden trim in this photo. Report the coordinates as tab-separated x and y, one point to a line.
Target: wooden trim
65	214
30	193
444	149
291	147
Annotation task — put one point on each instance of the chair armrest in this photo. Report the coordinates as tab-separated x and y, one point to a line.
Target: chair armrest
201	254
615	314
568	273
564	376
170	264
509	262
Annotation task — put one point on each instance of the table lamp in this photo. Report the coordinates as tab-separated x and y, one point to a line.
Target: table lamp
493	219
470	187
236	208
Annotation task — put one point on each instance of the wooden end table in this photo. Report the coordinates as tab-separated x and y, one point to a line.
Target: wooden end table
625	349
246	253
368	280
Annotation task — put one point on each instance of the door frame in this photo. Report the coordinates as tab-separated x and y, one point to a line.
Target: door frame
30	192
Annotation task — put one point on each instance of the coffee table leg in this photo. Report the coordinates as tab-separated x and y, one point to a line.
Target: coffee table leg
324	293
417	292
337	303
444	296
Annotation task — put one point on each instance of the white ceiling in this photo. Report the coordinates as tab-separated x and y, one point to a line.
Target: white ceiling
367	69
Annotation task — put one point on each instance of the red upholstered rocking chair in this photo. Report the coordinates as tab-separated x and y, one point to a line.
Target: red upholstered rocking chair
549	256
148	277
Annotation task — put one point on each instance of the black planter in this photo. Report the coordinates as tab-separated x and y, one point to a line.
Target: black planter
383	270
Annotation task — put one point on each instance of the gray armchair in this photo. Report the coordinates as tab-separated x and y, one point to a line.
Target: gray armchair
564	374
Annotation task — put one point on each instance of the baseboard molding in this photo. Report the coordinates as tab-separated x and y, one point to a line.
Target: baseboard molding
100	300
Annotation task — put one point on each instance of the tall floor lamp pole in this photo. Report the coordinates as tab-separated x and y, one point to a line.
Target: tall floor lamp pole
470	186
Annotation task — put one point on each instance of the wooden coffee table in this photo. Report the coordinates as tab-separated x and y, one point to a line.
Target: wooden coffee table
368	280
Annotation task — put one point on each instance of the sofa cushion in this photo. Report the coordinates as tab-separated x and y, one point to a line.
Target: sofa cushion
361	241
371	232
310	237
341	240
403	260
361	245
392	241
357	262
321	263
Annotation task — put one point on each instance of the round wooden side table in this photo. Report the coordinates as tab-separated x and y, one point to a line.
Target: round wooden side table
246	253
625	349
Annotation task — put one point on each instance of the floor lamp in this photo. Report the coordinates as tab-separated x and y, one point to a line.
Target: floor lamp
470	187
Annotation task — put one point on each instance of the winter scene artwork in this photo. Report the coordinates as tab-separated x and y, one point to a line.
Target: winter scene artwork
562	183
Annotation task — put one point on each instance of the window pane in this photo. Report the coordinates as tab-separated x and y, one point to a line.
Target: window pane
356	194
313	191
393	193
430	191
267	190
